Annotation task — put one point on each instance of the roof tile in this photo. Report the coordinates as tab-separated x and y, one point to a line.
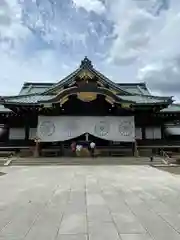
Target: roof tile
172	108
142	99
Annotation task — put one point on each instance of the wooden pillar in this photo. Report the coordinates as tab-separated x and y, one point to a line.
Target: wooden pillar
36	149
7	124
26	130
143	132
162	132
136	152
63	149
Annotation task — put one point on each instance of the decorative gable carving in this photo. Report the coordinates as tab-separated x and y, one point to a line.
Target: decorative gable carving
85	74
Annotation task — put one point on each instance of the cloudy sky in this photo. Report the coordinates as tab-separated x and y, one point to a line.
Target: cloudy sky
128	40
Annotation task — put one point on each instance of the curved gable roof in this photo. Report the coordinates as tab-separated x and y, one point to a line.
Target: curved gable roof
86	65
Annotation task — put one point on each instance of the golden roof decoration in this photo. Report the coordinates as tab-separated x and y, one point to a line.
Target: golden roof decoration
84	74
87	96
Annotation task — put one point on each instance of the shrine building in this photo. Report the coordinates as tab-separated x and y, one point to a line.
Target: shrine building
122	118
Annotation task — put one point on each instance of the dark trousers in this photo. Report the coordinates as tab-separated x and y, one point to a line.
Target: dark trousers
92	152
73	153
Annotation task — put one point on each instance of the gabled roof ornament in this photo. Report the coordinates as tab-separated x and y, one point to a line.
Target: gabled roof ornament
86	63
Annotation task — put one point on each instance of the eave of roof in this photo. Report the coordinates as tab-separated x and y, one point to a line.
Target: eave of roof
147	99
3	109
173	108
31	99
37	99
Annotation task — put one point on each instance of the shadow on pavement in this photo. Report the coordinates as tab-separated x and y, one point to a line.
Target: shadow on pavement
1	173
174	170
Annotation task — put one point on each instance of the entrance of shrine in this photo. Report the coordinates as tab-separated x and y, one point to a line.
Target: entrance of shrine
116	129
111	134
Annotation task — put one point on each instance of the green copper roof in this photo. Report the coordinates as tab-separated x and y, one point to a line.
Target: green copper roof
3	109
49	88
31	88
28	99
35	93
135	88
142	99
38	98
172	108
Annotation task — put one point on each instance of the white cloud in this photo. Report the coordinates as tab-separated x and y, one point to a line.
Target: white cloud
12	32
15	67
40	68
90	5
134	28
12	36
148	39
161	64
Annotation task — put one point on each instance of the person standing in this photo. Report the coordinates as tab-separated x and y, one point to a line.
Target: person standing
73	148
79	148
92	148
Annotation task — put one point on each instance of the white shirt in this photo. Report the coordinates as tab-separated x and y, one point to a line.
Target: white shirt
78	147
92	145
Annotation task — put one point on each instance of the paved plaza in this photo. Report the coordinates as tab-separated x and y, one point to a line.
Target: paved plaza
89	203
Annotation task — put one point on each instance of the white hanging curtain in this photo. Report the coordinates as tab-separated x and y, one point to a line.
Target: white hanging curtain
3	130
153	133
149	133
17	133
138	133
52	129
32	133
157	133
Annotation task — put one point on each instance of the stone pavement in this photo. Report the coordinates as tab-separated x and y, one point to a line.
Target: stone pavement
89	203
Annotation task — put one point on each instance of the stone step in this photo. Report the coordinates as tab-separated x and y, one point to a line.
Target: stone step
78	163
84	161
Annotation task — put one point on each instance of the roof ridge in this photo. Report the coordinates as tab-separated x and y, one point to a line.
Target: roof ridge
139	89
86	64
38	83
62	80
110	81
132	83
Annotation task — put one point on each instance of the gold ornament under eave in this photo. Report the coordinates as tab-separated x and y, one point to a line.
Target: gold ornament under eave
86	96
